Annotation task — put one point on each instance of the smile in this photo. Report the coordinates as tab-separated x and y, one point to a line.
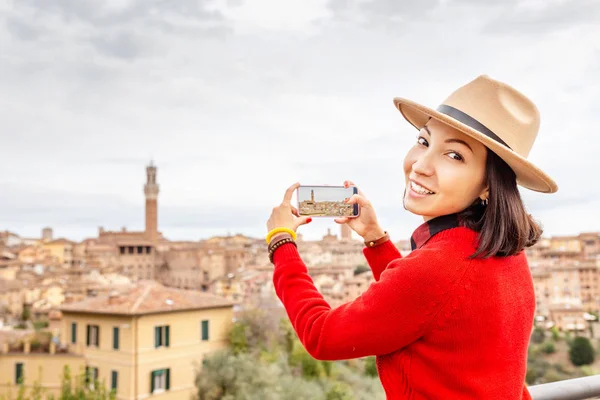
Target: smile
419	189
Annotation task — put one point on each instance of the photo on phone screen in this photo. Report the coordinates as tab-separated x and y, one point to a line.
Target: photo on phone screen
326	201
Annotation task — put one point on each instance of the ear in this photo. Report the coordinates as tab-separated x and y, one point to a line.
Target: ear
485	193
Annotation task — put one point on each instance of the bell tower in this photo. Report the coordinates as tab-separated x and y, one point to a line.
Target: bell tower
151	193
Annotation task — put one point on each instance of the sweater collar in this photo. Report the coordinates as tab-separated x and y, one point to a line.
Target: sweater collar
429	229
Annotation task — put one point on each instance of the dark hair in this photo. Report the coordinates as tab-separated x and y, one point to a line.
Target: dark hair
504	227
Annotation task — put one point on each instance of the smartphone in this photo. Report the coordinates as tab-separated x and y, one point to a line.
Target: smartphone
326	201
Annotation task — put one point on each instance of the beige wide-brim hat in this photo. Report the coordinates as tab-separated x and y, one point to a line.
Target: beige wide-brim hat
495	114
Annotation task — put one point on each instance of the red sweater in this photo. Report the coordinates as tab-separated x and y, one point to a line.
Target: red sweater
441	326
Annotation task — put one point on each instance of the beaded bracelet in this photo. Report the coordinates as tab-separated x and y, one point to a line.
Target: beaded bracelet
277	245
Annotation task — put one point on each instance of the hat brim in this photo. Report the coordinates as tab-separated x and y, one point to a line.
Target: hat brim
528	175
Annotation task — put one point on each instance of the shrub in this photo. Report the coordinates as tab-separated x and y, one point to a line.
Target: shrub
555	333
237	339
327	366
538	335
536	369
338	391
38	325
548	348
371	366
581	351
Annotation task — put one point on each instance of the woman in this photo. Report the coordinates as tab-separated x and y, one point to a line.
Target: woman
452	319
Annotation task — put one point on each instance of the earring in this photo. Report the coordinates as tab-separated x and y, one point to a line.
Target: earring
484	202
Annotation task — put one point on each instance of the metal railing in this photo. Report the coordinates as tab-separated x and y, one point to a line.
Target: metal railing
569	389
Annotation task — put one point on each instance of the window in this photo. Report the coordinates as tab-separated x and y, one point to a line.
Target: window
116	338
205	330
91	376
19	373
114	379
160	380
74	332
161	336
93	335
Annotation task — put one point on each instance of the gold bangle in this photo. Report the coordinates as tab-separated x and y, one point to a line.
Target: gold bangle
273	232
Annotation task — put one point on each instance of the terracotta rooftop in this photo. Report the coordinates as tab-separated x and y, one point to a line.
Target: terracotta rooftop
147	297
61	241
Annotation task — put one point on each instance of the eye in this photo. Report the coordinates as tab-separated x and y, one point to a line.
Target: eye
456	156
422	140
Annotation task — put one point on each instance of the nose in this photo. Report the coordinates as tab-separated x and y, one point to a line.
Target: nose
423	165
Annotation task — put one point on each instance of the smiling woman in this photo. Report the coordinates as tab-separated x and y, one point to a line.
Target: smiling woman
451	320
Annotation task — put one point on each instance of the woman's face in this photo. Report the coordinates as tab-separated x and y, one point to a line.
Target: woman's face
444	171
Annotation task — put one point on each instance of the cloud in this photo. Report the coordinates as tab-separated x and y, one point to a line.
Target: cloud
536	17
236	100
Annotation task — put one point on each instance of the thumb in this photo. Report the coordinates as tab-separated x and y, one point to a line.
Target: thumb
303	221
358	199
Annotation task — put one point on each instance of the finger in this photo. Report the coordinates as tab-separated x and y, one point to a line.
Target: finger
302	221
352	184
342	220
287	198
295	211
358	199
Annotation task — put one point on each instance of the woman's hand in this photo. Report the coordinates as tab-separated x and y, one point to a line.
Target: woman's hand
285	215
365	224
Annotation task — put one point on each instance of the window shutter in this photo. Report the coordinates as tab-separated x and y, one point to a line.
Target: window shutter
89	328
116	338
19	373
205	330
168	379
97	335
114	380
152	381
167	335
73	333
156	336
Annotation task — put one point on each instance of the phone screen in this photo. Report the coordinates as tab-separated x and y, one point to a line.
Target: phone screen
326	201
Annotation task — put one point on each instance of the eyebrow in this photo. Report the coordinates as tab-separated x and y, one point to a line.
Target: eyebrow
451	140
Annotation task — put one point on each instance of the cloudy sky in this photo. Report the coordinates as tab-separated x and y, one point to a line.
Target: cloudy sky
235	100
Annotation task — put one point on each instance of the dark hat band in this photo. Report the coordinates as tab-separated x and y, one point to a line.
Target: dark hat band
470	122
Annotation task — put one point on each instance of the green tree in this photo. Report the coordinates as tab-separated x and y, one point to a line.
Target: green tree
338	391
26	313
254	331
327	366
538	335
548	348
581	351
237	338
371	366
555	333
287	335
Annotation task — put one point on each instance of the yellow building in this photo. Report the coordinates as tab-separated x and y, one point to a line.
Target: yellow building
146	343
61	250
45	368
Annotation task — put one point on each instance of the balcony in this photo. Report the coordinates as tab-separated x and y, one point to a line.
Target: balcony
570	389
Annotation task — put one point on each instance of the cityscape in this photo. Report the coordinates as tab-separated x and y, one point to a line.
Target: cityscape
139	312
320	208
